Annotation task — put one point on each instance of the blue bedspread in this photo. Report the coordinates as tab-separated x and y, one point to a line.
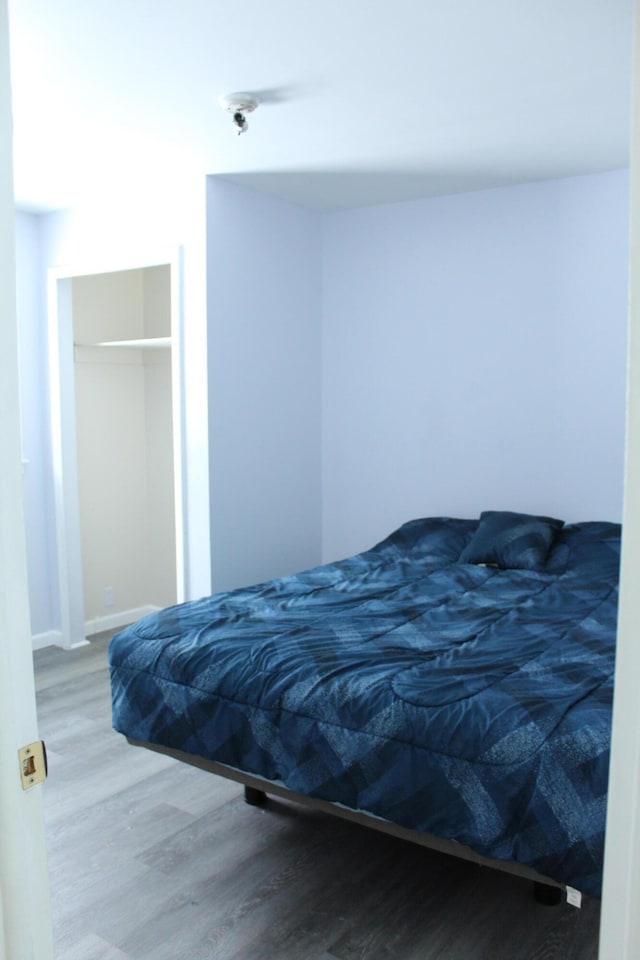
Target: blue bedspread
461	700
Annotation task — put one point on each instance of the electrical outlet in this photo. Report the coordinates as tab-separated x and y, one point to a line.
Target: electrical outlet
108	597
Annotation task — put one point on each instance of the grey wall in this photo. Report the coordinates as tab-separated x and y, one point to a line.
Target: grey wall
263	294
474	357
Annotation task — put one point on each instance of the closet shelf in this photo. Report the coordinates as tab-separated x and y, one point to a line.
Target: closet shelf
147	343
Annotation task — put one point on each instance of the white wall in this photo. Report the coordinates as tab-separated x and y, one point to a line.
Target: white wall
112	480
108	306
474	357
264	326
132	232
158	440
156	301
263	259
473	352
35	434
124	446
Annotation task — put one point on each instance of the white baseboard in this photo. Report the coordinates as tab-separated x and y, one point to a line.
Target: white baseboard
113	621
52	638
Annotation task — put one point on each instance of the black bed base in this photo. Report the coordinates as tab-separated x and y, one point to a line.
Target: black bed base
255	798
256	790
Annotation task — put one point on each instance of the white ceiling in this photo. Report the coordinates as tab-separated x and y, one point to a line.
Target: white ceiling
365	101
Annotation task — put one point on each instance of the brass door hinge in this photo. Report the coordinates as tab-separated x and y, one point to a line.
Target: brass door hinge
33	764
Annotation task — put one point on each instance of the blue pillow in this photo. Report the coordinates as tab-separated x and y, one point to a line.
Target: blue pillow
511	540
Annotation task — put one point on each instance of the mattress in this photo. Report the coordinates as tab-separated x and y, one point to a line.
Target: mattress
457	699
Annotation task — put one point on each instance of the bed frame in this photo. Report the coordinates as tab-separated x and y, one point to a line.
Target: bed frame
256	790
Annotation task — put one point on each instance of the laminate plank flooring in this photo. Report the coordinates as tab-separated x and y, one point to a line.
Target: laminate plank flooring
150	859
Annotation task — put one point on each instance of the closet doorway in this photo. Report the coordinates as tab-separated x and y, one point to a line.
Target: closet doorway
117	444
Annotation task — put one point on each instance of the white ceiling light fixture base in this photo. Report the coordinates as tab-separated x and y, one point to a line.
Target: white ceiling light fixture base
238	104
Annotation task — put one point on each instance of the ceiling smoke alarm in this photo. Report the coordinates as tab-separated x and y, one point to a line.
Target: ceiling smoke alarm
238	104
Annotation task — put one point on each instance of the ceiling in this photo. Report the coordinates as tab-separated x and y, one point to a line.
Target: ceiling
363	101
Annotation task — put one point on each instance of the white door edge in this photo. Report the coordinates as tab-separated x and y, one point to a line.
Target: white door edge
620	920
25	912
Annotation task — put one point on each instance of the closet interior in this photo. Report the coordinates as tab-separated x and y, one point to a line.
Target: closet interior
124	434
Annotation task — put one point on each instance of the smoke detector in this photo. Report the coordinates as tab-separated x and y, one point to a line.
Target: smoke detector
238	104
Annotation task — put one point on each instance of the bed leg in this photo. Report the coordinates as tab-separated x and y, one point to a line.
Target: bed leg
546	894
254	797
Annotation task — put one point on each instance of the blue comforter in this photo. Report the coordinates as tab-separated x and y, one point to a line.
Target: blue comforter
457	699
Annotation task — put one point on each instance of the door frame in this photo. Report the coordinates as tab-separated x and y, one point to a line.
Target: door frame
620	919
63	427
25	907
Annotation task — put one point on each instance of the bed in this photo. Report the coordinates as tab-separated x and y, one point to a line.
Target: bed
453	685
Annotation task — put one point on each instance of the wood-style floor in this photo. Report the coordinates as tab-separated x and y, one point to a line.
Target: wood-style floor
153	860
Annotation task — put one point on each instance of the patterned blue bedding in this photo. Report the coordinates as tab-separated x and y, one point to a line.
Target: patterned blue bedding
458	699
